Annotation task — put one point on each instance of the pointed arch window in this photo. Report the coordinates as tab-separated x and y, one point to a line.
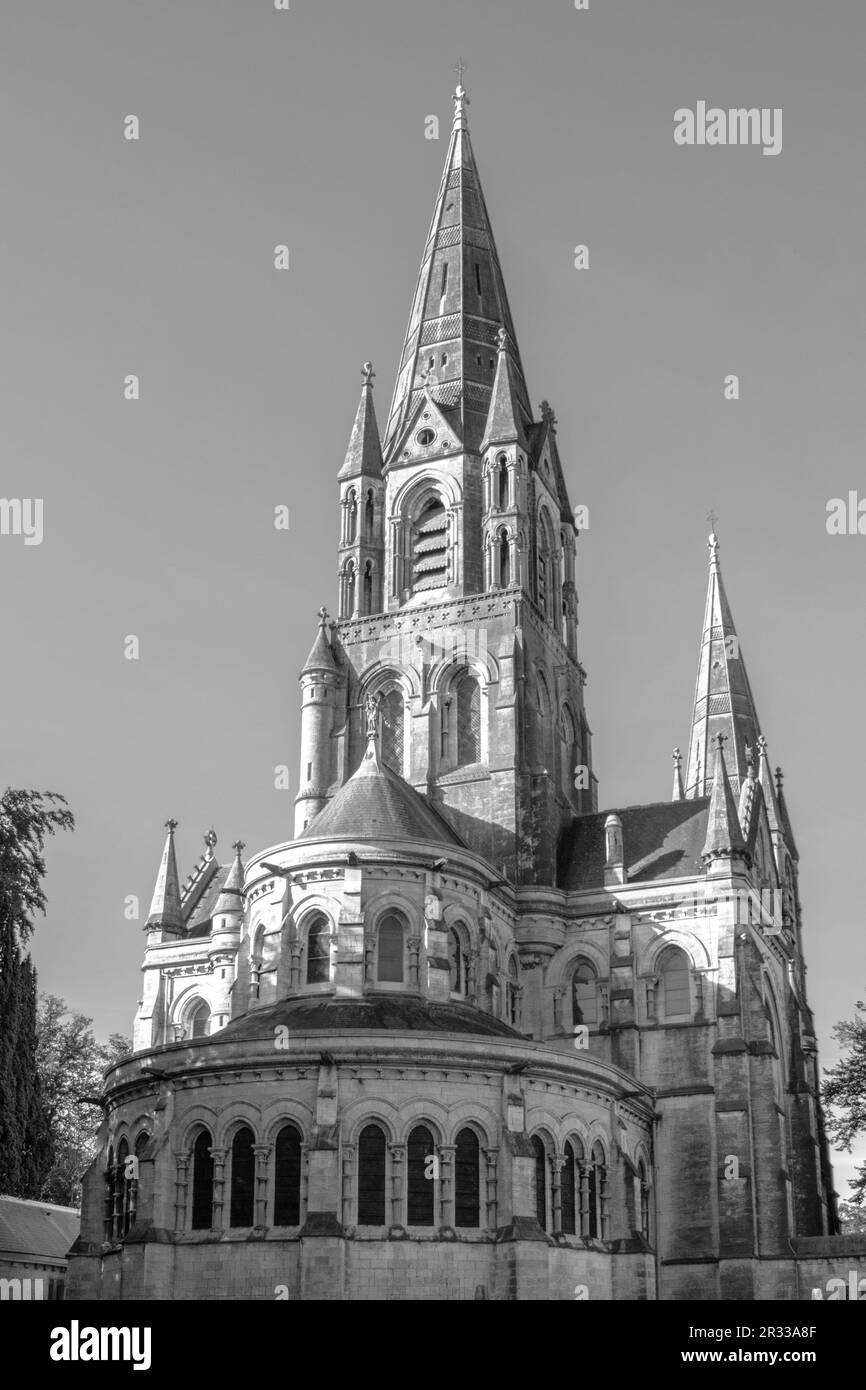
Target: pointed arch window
457	960
513	994
674	973
597	1193
569	748
540	1180
584	995
351	516
122	1194
643	1193
391	712
389	965
202	1182
318	950
199	1020
502	482
287	1177
347	609
371	1176
430	547
503	558
420	1178
467	1179
242	1178
468	720
570	1189
368	587
369	515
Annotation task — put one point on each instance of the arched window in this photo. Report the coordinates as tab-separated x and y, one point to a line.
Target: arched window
430	547
673	969
540	1180
369	515
644	1208
570	1189
368	587
122	1194
391	711
241	1212
467	1179
513	994
108	1207
351	516
503	559
287	1177
597	1192
457	959
319	950
421	1178
468	720
543	725
544	568
202	1182
134	1182
502	482
390	955
492	986
371	1176
198	1020
584	995
568	734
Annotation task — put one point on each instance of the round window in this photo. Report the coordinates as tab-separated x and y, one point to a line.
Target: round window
425	437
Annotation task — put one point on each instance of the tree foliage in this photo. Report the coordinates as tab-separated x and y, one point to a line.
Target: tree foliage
844	1092
71	1064
26	818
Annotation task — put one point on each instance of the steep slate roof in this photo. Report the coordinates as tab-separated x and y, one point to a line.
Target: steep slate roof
38	1229
461	324
165	909
199	913
376	804
364	454
392	1012
662	840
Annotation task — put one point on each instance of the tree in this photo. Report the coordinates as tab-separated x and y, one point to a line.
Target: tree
845	1088
25	1140
71	1063
853	1219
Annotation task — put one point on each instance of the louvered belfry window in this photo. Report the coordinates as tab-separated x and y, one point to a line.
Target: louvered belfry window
468	720
430	547
392	730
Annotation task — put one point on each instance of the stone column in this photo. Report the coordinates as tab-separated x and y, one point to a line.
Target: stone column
557	1163
181	1181
584	1199
369	958
558	1022
472	973
117	1212
219	1182
414	945
295	967
491	1158
601	1178
347	1185
446	1184
262	1154
398	1154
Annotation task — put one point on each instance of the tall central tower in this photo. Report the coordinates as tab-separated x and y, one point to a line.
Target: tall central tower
457	599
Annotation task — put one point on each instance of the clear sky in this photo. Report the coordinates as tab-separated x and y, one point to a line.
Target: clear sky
307	127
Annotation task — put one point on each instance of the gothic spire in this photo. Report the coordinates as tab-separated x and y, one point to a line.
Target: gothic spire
724	835
504	423
321	657
364	454
165	910
459	306
723	697
230	899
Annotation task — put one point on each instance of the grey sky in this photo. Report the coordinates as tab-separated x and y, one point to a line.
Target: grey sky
155	257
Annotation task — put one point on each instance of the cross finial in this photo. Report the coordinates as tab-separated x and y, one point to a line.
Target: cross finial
322	616
368	373
678	757
238	847
460	68
501	339
712	518
171	825
210	840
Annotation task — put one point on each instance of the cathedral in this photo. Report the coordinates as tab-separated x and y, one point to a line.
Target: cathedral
465	1035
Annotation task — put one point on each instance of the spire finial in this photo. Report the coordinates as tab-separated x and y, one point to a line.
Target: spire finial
322	615
171	825
238	847
210	840
779	777
368	373
678	758
501	339
461	100
679	791
713	542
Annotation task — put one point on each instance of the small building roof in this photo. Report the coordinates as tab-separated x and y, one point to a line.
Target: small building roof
36	1230
662	840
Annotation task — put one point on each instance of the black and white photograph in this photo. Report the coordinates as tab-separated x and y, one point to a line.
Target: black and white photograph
433	556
